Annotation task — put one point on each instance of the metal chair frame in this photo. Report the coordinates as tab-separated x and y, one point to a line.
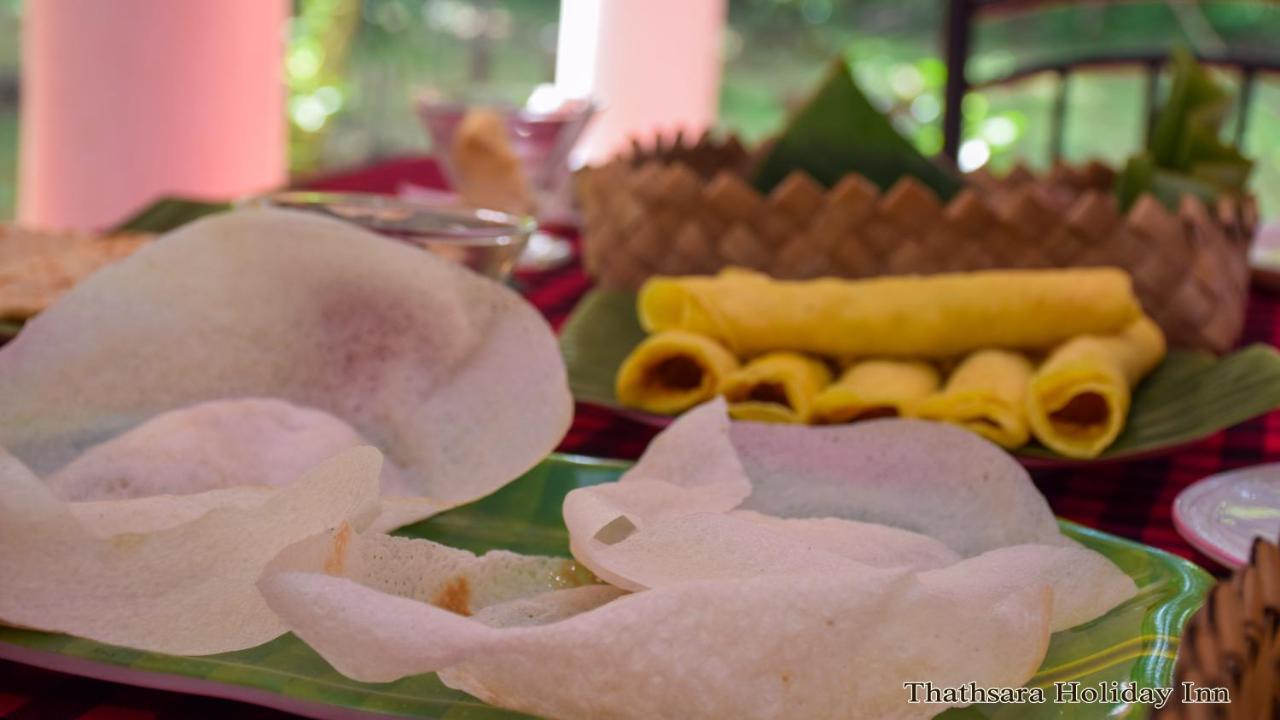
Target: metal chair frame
961	15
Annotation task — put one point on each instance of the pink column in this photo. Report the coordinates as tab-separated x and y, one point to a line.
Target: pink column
654	65
125	101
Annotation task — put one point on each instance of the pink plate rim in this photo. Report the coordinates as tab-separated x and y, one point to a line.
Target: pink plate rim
1194	537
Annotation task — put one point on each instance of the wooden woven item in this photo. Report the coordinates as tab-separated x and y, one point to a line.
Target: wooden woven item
1233	642
687	208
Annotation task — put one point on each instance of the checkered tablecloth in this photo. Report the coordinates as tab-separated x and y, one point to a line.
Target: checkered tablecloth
1132	499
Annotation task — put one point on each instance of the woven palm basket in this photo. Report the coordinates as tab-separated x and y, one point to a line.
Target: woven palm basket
1233	642
688	208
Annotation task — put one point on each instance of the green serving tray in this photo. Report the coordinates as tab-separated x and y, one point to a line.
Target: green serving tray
1137	641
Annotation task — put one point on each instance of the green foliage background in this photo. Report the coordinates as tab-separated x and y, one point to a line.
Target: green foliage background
355	67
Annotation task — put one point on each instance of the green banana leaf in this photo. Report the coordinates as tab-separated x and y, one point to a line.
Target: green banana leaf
839	132
1135	642
168	213
1185	153
1141	175
1195	101
1188	397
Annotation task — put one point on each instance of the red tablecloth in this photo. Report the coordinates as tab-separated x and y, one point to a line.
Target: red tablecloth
1132	499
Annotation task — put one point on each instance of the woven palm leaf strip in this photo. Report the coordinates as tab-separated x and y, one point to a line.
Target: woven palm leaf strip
1233	642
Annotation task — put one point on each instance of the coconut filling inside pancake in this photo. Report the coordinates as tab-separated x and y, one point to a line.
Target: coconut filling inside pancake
776	387
986	394
1079	399
677	374
874	389
767	392
671	372
1085	415
766	402
981	413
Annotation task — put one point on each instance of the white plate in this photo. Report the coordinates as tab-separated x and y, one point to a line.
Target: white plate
1222	514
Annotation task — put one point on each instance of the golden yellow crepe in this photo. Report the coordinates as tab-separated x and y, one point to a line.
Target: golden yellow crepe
672	371
986	393
1078	400
909	316
874	389
778	387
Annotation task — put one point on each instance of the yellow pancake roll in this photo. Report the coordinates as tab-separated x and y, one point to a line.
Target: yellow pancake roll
933	316
1079	398
873	389
672	371
777	387
986	393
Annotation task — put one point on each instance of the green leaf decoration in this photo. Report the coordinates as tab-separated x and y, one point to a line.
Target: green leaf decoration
1195	105
168	213
1135	642
595	340
1185	153
1137	178
1189	396
839	132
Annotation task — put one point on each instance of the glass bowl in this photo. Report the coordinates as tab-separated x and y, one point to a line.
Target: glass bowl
541	141
487	241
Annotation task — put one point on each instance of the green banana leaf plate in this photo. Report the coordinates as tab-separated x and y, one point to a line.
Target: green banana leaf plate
1189	397
1136	642
168	213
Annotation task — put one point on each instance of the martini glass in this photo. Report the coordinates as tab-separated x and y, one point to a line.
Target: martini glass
541	140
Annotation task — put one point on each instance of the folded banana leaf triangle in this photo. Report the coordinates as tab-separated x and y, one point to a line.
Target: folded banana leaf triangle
838	132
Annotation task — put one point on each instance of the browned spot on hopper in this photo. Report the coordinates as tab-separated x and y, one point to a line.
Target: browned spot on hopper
455	596
337	559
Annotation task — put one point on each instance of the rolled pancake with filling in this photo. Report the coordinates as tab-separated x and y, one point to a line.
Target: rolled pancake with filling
1078	400
778	387
909	316
986	393
672	371
874	389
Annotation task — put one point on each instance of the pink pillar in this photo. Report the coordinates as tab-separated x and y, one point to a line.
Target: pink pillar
654	65
124	101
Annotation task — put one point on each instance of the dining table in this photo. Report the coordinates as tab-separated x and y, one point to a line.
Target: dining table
1130	498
